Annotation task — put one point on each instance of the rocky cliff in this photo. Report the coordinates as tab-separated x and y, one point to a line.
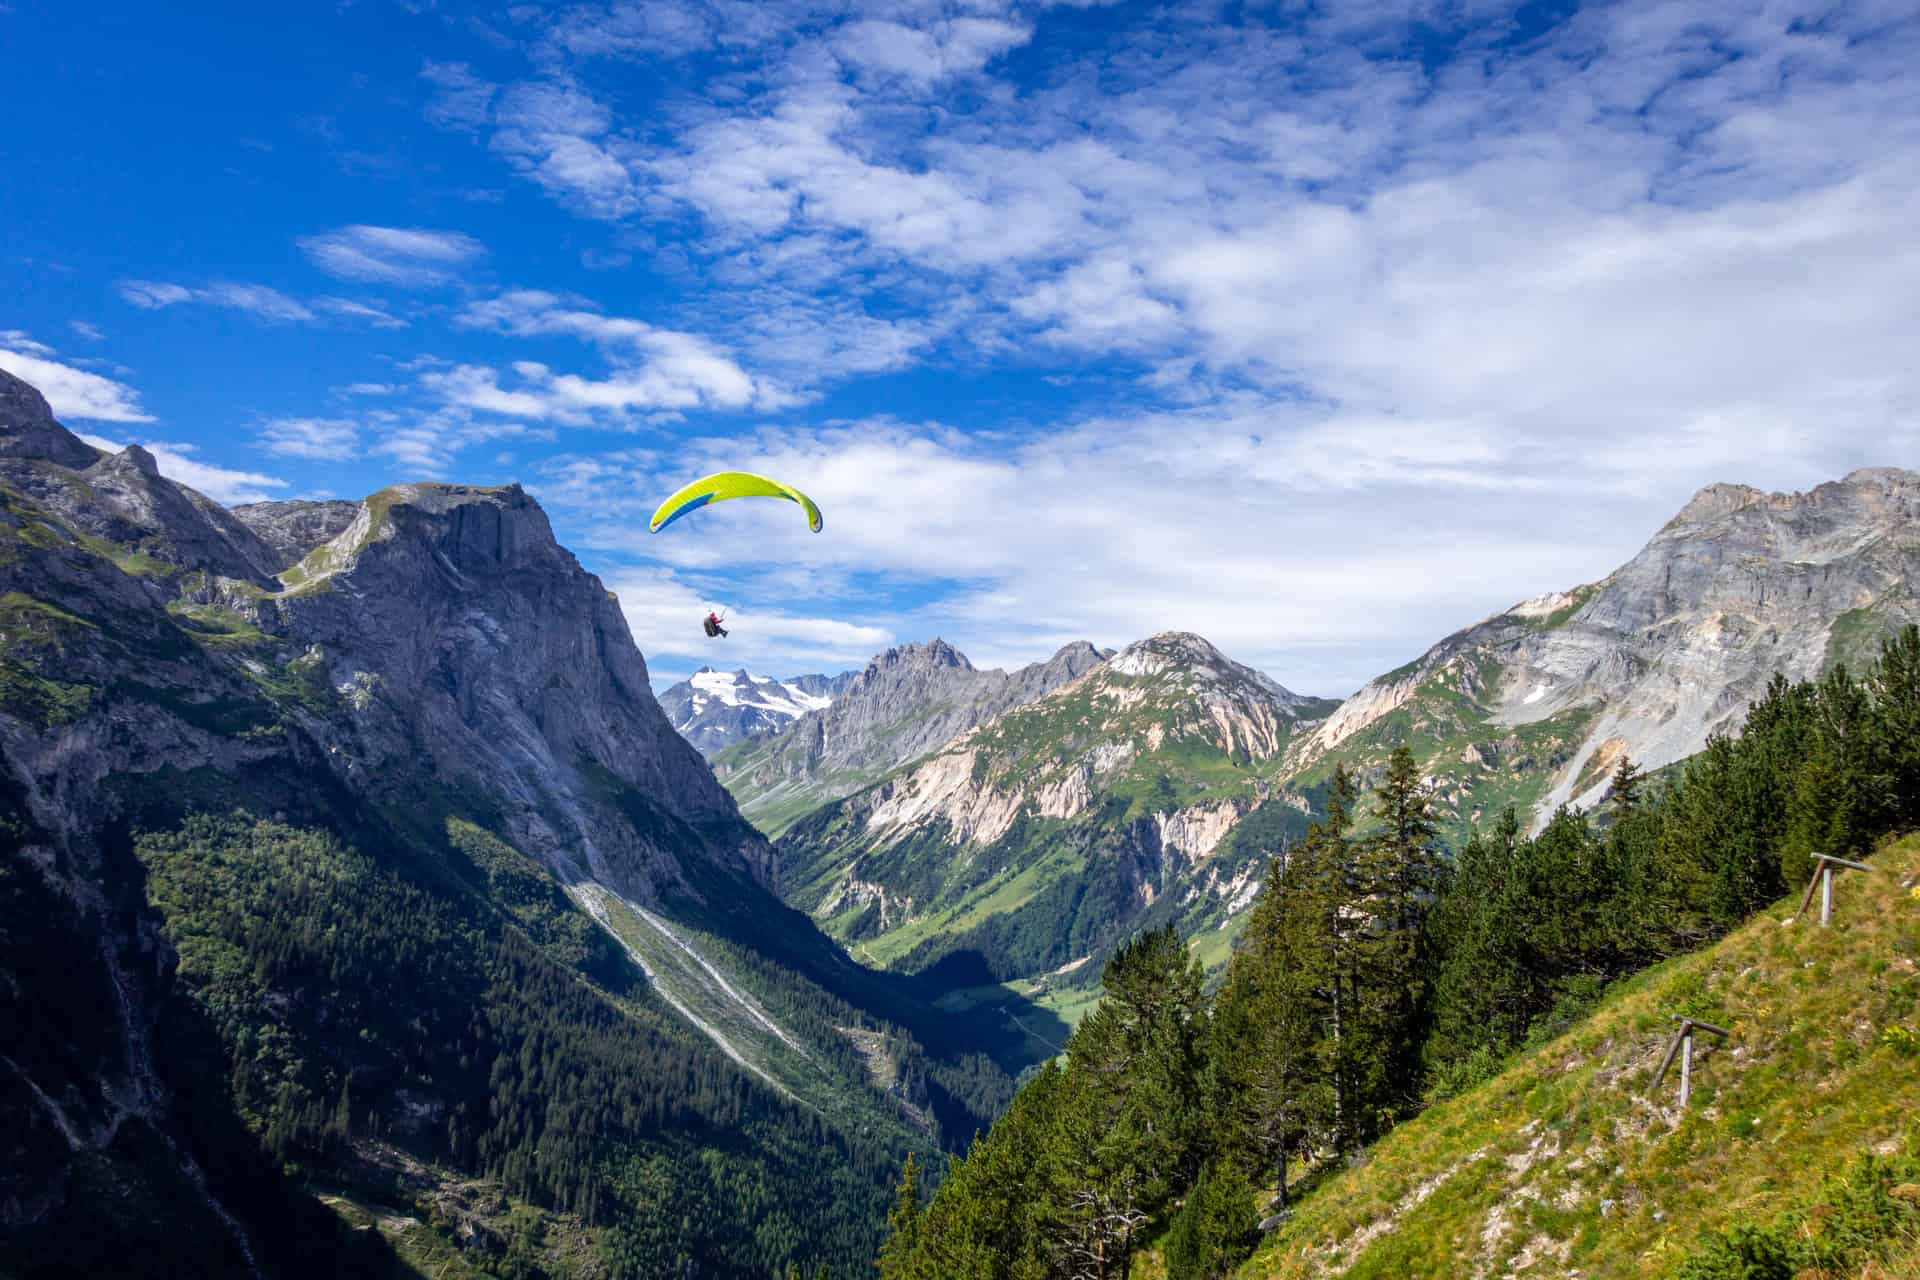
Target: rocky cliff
1534	706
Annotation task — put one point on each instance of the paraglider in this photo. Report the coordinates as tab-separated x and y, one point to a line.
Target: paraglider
730	484
718	488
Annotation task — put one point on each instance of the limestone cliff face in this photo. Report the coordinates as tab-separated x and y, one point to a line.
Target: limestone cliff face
453	629
1673	645
295	528
437	637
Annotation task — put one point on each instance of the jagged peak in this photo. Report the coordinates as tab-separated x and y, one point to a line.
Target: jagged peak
28	428
933	653
1714	501
1881	477
132	458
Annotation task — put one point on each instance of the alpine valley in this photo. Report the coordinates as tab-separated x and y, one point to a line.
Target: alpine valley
363	912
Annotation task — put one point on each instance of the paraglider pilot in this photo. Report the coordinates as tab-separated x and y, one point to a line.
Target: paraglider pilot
713	625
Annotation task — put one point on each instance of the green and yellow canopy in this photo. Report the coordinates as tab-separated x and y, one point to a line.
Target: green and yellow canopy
730	484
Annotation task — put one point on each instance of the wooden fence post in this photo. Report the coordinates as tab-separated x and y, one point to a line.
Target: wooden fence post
1823	868
1683	1047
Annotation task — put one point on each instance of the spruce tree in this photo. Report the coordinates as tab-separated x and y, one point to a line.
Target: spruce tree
899	1256
1216	1228
1624	790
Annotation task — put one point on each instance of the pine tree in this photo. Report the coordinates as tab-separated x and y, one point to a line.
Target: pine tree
1625	787
1133	1105
1891	757
899	1256
1399	873
1273	1090
1216	1228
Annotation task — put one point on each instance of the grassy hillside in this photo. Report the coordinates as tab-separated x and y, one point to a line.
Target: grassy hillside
1562	1165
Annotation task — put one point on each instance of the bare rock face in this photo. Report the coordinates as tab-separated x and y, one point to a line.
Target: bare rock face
120	498
1673	645
906	702
433	641
458	635
31	432
295	528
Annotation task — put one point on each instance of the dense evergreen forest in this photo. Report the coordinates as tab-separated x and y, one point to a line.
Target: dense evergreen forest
1379	972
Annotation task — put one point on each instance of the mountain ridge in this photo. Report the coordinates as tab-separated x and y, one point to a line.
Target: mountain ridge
1108	800
906	701
1651	660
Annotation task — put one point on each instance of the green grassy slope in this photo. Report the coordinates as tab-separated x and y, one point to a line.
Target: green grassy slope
1563	1164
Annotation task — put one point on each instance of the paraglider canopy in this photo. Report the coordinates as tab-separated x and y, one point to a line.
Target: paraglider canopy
730	484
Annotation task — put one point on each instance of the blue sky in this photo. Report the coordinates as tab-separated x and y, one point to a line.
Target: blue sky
1320	329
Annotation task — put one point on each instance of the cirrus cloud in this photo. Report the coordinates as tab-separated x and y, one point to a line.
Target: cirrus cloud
406	257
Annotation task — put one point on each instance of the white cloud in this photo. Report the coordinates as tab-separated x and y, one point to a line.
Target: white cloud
656	369
552	134
329	439
257	300
90	332
408	258
151	295
228	487
928	53
352	310
426	443
462	100
477	387
72	393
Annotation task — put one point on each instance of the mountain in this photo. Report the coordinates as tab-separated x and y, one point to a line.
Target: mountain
352	877
1569	1162
1034	841
713	710
1533	707
828	687
1019	846
905	703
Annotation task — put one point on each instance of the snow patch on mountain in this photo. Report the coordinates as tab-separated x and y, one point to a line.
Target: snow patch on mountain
715	709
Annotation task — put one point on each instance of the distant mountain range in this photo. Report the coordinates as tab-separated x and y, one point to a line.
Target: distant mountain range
906	702
1152	785
714	710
